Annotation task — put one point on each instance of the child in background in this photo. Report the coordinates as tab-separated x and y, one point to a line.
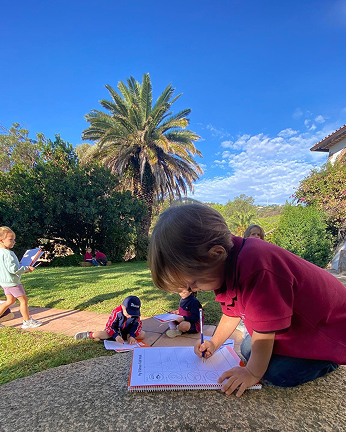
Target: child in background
88	257
10	274
254	231
188	322
124	324
100	257
294	311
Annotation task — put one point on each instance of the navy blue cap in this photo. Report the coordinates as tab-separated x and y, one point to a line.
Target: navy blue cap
132	305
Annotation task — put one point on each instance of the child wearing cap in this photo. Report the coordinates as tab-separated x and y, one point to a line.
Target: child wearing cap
124	324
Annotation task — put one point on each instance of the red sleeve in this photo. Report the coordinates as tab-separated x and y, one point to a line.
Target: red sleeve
268	301
111	319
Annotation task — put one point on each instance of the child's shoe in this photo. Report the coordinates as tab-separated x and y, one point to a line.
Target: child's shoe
31	323
173	333
7	315
83	335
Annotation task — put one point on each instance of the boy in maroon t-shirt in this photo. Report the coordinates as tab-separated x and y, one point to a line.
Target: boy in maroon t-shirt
294	311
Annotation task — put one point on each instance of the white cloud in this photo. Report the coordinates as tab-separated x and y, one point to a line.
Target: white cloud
268	168
320	119
286	133
226	144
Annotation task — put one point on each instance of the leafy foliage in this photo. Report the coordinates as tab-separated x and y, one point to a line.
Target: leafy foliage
326	188
60	201
302	230
67	261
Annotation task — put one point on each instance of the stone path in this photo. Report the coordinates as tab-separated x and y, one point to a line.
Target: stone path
69	322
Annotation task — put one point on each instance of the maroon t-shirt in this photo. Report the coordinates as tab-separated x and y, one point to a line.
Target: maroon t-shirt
273	290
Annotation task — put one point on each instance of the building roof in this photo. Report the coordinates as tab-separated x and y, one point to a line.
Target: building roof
330	140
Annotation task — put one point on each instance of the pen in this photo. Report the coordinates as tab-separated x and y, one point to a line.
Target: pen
38	264
201	324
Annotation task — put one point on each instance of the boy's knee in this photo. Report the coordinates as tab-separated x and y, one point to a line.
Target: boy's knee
184	326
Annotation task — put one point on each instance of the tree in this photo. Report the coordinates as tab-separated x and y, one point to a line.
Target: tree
240	221
302	230
16	148
240	213
61	202
145	144
326	188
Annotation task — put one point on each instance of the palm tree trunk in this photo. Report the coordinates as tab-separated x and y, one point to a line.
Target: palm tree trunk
144	192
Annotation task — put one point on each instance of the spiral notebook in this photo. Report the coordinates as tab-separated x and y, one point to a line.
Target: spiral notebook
178	368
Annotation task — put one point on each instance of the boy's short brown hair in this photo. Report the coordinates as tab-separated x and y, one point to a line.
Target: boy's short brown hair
4	230
181	240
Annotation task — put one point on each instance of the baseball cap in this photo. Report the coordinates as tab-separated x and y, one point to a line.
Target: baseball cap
132	305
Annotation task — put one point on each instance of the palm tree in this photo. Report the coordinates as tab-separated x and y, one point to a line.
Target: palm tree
148	146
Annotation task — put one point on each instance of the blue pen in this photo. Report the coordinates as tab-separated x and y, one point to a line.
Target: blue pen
201	324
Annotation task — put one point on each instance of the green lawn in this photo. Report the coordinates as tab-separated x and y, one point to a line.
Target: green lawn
97	289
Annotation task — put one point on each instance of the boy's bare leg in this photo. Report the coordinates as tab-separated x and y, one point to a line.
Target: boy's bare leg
100	335
23	307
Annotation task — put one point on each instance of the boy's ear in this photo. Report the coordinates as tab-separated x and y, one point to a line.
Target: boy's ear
217	251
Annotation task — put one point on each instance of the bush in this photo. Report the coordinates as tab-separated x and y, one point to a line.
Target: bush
67	261
302	230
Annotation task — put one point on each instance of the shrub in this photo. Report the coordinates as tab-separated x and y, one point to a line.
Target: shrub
302	230
67	261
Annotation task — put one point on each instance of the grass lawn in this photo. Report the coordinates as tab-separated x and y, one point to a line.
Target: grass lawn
97	289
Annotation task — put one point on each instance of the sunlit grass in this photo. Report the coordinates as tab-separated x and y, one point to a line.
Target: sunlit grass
25	353
97	289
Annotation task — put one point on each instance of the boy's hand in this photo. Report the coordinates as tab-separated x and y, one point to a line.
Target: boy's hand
179	319
119	339
31	269
238	377
131	340
207	347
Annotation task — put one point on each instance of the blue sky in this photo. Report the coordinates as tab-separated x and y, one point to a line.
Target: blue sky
265	79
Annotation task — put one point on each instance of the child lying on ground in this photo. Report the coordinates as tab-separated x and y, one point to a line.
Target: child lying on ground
124	324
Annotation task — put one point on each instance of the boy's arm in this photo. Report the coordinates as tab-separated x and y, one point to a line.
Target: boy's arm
136	325
226	327
244	377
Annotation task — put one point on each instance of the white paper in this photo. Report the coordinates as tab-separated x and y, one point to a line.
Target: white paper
112	345
166	317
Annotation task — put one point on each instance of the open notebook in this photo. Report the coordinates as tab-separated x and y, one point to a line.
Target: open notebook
119	347
178	368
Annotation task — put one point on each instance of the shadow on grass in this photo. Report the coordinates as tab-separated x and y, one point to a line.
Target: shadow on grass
101	298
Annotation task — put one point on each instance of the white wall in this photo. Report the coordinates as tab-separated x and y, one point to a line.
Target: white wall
336	149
